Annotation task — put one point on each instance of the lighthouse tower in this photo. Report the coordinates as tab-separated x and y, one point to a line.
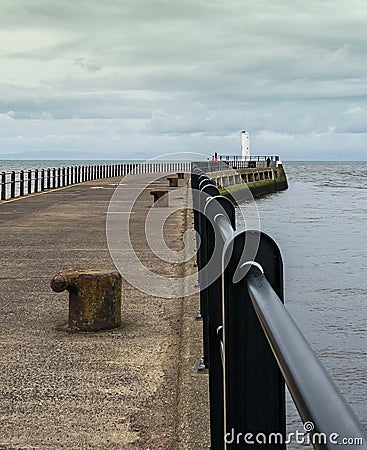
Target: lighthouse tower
245	146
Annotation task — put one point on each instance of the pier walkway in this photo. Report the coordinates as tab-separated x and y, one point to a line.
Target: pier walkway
134	387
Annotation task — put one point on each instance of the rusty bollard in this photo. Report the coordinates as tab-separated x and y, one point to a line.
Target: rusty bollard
160	197
181	175
173	181
94	298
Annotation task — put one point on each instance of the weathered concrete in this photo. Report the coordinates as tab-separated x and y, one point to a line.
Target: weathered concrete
116	389
94	297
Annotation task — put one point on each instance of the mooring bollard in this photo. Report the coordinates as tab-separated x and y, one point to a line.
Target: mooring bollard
94	298
181	175
173	181
160	197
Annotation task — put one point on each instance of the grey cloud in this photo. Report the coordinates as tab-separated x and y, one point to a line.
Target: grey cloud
89	64
194	69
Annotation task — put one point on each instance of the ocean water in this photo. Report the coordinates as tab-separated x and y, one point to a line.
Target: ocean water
320	225
17	165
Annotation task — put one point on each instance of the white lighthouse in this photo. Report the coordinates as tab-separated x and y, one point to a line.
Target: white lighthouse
245	146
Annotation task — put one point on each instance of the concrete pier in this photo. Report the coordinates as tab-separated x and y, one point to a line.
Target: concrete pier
260	181
134	387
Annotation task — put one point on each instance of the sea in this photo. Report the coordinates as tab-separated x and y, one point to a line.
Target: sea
17	165
320	225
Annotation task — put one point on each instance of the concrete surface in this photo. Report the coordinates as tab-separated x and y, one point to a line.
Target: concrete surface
134	387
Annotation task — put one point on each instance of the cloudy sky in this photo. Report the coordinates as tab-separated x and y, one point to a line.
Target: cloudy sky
140	78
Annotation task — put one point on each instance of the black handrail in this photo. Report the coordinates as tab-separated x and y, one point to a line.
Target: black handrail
243	313
315	395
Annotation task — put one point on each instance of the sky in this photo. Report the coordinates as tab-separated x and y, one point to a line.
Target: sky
141	78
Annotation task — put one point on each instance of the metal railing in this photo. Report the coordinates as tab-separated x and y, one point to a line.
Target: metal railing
252	158
235	162
252	346
17	184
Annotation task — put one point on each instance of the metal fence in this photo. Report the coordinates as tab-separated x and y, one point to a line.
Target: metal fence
16	184
251	158
236	162
252	346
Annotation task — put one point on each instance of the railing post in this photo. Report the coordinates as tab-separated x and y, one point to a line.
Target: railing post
49	178
212	251
36	178
29	182
12	184
42	180
3	186
21	183
255	392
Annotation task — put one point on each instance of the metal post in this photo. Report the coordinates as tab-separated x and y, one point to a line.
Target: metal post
212	253
29	182
48	178
254	386
36	178
12	184
3	186
21	183
42	180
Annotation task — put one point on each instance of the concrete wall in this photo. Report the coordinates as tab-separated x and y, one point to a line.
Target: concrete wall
260	181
